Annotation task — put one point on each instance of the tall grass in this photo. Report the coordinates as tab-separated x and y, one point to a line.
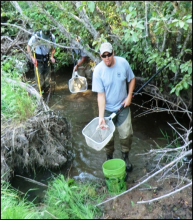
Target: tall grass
16	104
175	143
72	201
15	207
63	200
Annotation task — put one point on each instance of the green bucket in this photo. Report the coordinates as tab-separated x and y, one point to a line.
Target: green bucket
114	172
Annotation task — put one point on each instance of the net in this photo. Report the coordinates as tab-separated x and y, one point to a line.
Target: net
77	84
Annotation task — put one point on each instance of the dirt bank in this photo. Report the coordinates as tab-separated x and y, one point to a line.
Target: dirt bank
39	142
176	206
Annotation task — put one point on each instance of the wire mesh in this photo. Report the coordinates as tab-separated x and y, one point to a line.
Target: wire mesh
98	138
77	84
98	134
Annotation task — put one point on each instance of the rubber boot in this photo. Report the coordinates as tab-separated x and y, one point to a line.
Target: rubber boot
129	166
109	156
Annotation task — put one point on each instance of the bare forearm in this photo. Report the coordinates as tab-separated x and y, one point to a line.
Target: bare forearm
52	53
29	51
81	61
101	104
131	86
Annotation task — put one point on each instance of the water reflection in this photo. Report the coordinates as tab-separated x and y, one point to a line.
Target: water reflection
80	109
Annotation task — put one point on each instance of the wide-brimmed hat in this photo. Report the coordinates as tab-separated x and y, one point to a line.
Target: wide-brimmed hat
106	47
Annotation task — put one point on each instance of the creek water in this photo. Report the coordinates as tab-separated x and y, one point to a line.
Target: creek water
79	109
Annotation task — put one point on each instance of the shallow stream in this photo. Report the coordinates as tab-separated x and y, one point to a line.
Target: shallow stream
79	109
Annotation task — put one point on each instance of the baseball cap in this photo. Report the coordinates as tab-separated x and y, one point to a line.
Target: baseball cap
45	32
106	47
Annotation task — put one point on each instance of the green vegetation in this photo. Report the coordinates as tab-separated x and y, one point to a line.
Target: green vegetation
149	37
70	200
16	104
63	200
172	141
13	206
148	34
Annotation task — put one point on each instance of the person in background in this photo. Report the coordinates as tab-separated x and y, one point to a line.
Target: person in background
83	66
110	79
42	57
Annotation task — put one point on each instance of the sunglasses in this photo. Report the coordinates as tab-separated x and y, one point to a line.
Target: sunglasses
108	55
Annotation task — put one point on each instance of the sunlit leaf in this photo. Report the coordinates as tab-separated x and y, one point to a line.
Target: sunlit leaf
175	20
189	21
185	84
140	26
189	70
124	23
91	6
128	17
177	92
134	37
132	203
181	23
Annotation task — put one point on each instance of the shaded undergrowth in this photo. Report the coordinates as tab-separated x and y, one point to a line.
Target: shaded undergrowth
63	200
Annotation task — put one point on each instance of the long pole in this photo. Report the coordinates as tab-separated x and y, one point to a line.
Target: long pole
143	85
36	67
150	79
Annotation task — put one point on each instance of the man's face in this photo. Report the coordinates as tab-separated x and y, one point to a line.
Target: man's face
108	58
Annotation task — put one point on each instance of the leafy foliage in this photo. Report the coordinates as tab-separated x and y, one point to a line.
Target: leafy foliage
147	34
186	80
15	101
63	199
13	207
70	200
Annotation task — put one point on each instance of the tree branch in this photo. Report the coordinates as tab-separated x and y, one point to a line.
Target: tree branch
176	5
50	42
63	9
164	41
145	23
123	17
108	28
84	17
164	196
96	59
159	171
18	8
182	52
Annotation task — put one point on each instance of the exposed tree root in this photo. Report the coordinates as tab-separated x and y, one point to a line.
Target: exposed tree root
39	142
